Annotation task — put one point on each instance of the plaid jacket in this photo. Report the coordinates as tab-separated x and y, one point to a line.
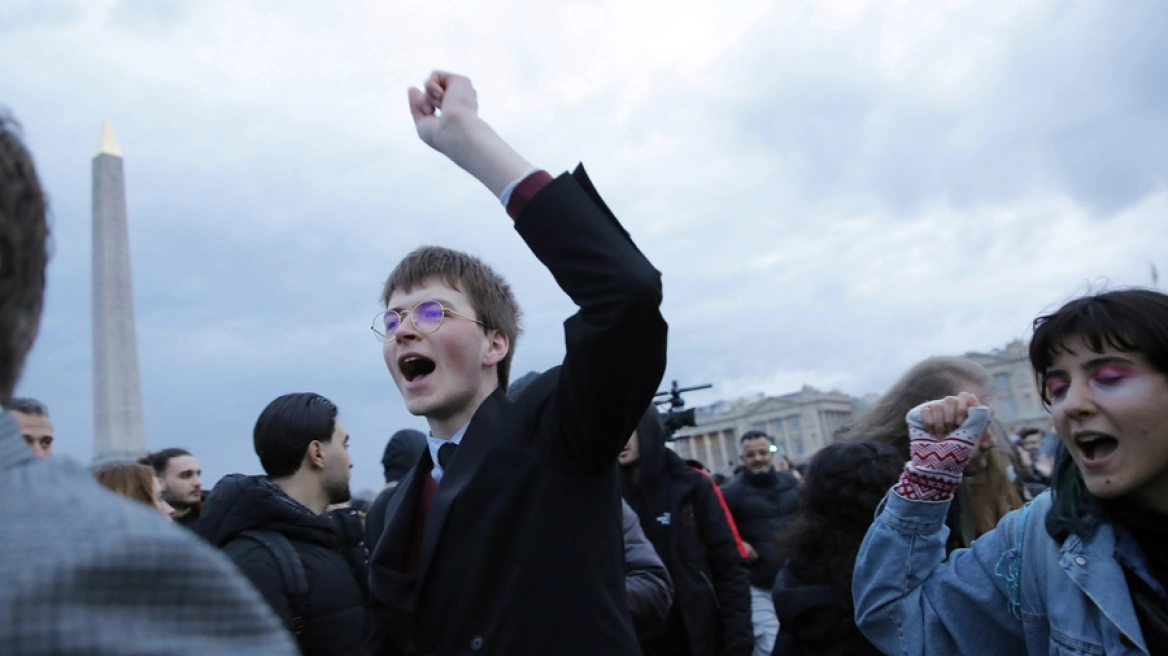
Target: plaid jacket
84	571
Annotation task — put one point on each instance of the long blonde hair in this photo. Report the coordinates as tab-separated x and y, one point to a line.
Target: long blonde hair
930	379
991	491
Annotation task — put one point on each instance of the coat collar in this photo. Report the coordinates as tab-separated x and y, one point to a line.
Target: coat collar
1094	564
478	441
480	438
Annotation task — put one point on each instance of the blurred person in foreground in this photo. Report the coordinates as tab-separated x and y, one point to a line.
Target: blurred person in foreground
85	571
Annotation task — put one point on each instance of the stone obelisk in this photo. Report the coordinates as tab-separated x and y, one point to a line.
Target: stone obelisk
118	432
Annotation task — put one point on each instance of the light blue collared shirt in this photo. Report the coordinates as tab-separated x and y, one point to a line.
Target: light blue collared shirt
435	444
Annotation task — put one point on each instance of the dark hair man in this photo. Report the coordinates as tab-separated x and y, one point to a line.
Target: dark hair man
32	417
182	483
763	501
506	537
279	534
683	518
84	570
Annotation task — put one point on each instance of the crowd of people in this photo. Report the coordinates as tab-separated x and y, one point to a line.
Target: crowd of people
548	515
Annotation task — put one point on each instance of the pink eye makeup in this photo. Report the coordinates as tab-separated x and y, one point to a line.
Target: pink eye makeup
1056	387
1110	375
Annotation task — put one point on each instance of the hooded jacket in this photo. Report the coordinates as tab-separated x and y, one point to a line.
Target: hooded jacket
647	581
762	505
402	453
330	547
681	515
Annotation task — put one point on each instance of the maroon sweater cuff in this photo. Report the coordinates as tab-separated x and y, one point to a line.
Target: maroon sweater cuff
525	191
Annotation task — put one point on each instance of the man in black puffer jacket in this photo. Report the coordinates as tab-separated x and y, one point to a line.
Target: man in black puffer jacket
683	518
310	565
763	501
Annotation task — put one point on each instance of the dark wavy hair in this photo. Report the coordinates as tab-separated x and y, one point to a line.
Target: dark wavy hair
1131	320
844	483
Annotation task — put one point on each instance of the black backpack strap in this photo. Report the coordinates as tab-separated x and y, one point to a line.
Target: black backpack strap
291	570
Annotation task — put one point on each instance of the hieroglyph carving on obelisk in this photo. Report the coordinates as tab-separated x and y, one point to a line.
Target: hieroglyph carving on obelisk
118	433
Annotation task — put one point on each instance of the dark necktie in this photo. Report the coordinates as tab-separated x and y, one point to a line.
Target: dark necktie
446	454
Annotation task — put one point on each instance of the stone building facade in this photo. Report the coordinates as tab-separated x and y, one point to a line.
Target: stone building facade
800	423
1014	397
804	422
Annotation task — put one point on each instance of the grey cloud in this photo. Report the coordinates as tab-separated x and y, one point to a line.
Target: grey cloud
1048	114
148	16
18	15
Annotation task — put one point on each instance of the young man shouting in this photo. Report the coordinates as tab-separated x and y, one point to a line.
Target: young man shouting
506	537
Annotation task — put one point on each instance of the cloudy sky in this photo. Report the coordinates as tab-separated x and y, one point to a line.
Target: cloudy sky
833	190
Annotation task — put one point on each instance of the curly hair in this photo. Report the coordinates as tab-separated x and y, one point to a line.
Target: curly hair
24	252
843	486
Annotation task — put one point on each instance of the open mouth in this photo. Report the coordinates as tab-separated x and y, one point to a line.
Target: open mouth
414	367
1095	446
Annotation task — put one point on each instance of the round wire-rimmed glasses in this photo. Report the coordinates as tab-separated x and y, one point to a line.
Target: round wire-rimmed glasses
426	316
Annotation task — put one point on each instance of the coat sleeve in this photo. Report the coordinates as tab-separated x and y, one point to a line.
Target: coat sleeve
615	343
647	582
731	580
910	599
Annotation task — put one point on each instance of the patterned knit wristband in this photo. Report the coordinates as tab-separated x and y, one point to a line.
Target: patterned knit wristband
937	465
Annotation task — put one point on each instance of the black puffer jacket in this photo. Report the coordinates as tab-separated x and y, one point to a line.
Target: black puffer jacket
762	506
331	549
681	515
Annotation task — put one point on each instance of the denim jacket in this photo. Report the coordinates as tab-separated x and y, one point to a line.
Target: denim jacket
1014	591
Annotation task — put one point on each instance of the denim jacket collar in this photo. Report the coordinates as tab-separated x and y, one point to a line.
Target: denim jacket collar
1096	562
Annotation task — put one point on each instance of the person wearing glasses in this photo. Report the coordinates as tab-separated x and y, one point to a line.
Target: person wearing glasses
506	537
